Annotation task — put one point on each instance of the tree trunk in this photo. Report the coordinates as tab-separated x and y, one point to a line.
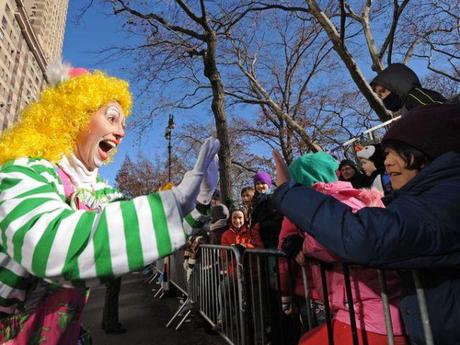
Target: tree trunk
218	108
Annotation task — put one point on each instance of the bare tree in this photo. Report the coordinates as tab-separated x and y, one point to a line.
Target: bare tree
144	176
280	83
139	178
244	162
291	77
433	35
174	34
427	30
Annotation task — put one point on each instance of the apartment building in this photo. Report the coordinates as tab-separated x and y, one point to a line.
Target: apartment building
31	35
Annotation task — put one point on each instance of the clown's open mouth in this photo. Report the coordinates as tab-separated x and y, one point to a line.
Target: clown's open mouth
104	149
106	146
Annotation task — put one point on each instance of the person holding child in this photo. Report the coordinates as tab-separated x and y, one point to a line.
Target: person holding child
418	228
317	170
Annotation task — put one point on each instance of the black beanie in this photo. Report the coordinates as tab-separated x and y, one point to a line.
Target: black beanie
348	162
433	129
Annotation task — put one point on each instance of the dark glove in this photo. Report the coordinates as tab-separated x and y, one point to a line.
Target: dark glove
240	248
292	245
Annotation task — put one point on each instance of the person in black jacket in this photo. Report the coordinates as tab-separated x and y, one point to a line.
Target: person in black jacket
418	229
264	215
400	89
349	172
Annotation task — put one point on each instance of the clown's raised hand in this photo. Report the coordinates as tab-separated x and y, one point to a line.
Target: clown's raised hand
187	191
209	183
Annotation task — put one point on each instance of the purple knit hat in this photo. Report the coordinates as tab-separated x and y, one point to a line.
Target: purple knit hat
264	177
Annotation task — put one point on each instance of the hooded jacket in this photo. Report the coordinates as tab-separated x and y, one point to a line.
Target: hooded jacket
365	286
419	229
404	83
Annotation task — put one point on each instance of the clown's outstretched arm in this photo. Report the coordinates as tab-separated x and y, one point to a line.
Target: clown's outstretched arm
41	233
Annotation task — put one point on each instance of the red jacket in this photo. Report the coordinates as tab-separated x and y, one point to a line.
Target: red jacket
243	236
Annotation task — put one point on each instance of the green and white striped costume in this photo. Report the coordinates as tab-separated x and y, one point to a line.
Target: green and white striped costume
43	236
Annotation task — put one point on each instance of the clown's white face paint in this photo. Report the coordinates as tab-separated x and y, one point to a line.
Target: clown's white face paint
104	134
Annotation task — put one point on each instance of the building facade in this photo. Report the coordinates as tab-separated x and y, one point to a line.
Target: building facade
31	35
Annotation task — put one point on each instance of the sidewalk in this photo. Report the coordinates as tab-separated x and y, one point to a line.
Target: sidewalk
144	318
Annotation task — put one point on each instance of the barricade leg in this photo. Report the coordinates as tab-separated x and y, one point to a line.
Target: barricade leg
351	307
386	307
307	298
176	314
327	309
423	308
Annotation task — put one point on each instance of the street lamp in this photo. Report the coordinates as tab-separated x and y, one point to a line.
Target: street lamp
168	137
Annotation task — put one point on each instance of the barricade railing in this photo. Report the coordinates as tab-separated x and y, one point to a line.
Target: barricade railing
216	289
266	319
242	296
158	275
371	135
350	298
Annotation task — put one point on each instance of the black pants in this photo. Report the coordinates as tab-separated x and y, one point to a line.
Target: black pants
110	314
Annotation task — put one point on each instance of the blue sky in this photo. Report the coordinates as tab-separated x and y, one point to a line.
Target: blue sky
82	41
99	29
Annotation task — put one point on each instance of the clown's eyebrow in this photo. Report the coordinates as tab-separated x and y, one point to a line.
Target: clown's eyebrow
112	109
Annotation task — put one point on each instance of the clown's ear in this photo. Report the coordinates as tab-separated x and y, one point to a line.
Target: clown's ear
57	72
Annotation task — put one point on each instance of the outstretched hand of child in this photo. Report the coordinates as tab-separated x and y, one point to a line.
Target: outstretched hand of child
282	172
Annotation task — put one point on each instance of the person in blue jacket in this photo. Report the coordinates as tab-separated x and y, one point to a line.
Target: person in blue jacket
418	229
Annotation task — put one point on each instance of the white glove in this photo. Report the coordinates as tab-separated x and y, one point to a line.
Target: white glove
187	191
209	183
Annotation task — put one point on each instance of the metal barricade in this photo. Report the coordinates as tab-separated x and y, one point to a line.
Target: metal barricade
241	296
258	285
176	271
371	135
158	278
266	319
217	290
179	282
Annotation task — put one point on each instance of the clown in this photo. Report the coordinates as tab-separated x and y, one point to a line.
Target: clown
62	228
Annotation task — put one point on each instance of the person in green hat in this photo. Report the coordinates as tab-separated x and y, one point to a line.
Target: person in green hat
317	170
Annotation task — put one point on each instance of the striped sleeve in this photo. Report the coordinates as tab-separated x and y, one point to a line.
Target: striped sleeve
50	240
197	220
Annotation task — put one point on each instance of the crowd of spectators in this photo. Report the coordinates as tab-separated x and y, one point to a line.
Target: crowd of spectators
395	205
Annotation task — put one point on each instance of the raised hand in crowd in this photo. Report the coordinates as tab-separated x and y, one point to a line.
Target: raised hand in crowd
282	173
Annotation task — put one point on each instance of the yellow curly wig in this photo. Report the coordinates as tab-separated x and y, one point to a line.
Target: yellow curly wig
49	127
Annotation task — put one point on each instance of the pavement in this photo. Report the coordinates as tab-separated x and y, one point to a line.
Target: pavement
144	318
